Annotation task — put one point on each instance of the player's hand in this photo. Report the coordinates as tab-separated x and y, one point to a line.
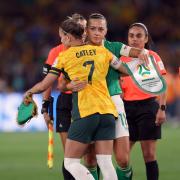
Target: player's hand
47	119
143	56
76	85
27	98
160	117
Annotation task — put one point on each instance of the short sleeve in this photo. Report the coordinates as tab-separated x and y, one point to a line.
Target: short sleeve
57	65
159	62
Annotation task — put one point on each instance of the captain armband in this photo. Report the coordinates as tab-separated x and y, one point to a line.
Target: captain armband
46	69
115	63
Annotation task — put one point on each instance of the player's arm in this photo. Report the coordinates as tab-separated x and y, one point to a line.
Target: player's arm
46	93
161	114
43	85
45	106
118	65
46	68
62	83
74	85
128	51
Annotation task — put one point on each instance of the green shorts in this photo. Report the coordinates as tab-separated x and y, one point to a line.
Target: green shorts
93	128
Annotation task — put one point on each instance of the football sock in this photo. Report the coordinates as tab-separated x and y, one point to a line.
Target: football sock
106	167
124	173
66	174
152	170
98	172
78	171
93	171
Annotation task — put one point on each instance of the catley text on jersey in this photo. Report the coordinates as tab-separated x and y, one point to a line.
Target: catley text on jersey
90	52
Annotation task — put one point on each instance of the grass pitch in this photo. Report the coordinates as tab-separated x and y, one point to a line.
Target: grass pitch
23	156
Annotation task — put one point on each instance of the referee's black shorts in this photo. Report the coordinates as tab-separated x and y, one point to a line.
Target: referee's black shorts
63	112
141	117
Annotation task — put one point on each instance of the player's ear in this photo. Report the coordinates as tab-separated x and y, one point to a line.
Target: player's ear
146	39
68	38
84	36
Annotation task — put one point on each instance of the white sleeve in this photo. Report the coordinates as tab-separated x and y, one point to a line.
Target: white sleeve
115	63
124	51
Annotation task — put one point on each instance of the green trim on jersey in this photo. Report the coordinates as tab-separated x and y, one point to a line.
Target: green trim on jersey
75	110
113	75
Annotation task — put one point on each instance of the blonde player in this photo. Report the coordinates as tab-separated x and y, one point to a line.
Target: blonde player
64	99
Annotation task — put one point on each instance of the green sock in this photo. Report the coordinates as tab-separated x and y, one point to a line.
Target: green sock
93	171
124	173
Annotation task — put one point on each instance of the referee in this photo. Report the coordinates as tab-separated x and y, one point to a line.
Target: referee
144	113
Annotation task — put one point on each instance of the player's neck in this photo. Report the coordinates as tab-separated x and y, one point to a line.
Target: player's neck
77	42
102	43
95	44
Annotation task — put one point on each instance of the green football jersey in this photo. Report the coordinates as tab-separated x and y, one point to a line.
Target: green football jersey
113	75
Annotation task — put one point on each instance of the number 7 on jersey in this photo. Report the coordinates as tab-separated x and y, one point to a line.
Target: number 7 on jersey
91	63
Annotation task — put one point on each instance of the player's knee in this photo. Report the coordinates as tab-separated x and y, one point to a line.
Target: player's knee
149	156
90	160
122	160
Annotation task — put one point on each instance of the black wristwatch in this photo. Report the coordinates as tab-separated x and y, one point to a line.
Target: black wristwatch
162	107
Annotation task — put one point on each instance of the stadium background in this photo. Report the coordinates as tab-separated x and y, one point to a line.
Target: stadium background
29	28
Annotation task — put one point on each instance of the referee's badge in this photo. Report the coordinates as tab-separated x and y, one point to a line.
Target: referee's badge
147	78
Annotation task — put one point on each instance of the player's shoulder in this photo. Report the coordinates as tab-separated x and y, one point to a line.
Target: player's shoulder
69	52
113	43
155	55
151	52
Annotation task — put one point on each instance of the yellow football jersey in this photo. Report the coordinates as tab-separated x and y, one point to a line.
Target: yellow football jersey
89	63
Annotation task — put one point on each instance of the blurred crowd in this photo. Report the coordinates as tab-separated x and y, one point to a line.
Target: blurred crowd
29	28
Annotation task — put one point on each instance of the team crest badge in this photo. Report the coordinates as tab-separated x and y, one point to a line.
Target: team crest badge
147	78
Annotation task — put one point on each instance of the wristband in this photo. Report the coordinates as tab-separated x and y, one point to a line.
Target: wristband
45	106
